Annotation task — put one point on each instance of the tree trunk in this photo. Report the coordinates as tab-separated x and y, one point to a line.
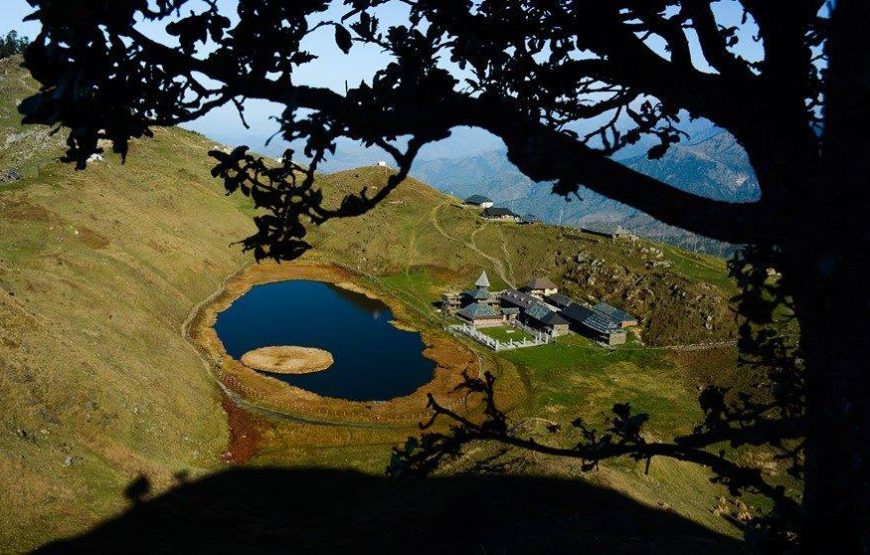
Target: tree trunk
831	303
830	289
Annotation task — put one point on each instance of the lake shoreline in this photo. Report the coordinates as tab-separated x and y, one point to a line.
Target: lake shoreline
451	358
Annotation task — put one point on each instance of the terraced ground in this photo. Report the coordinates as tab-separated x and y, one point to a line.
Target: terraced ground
101	270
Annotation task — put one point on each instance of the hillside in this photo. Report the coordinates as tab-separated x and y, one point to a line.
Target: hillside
681	297
100	270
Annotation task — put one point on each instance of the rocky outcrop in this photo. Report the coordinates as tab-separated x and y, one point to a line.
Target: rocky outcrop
8	176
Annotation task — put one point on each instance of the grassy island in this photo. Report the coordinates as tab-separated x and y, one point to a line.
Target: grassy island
288	359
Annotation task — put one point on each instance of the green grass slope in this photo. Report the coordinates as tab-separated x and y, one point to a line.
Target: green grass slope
98	271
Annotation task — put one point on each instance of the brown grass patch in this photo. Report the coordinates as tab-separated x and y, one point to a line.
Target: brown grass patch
403	327
21	210
244	436
288	359
91	238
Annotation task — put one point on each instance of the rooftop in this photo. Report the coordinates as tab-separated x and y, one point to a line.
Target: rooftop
483	280
544	315
599	228
477	199
615	313
518	298
593	319
498	212
478	311
479	293
541	283
560	300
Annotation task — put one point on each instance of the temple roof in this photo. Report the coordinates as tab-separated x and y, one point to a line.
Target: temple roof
478	311
479	293
483	280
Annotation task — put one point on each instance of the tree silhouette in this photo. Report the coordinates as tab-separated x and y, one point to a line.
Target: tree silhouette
565	84
12	44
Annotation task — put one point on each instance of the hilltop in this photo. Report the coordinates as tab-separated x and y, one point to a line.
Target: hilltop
101	270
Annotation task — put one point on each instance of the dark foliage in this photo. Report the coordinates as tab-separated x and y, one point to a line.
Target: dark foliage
730	422
535	73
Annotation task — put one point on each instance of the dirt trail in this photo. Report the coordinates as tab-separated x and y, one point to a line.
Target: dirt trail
496	263
507	256
433	217
499	266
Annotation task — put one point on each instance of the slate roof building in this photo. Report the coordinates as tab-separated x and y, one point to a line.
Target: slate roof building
624	319
559	300
541	287
595	325
481	315
517	299
479	201
543	319
483	280
500	214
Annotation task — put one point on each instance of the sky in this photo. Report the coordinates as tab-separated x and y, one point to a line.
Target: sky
225	125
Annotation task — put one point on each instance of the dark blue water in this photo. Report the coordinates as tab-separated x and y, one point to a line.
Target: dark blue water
374	361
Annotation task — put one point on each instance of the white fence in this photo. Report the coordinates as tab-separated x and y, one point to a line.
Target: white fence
495	344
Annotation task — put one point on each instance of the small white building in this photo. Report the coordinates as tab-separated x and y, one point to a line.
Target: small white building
479	201
541	287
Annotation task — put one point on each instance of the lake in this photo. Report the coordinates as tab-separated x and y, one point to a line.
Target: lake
374	361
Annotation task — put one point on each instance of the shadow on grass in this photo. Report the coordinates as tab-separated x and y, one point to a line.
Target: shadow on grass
328	511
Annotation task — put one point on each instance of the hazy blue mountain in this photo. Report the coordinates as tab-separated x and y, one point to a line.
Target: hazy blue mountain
715	166
463	142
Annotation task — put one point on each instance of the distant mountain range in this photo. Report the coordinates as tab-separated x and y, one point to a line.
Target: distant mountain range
713	166
463	142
